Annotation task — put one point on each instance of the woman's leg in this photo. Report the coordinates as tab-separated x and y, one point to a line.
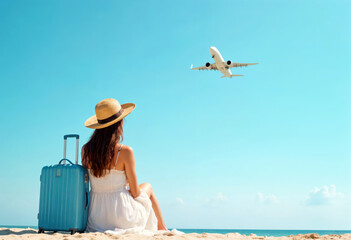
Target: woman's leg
155	205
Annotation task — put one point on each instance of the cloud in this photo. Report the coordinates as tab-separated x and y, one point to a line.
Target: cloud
324	195
221	197
180	201
216	200
268	199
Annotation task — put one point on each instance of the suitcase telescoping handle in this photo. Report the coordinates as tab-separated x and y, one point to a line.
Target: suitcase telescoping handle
65	146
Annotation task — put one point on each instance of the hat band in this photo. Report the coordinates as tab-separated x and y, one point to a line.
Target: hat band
113	117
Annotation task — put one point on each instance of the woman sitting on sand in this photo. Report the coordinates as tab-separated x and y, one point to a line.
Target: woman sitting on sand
111	168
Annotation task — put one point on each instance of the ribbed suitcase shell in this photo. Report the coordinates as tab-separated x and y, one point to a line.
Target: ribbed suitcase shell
64	198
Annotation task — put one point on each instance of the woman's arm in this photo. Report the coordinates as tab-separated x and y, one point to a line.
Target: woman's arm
129	164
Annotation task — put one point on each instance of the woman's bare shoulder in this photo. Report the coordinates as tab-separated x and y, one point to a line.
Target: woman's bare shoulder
127	149
127	153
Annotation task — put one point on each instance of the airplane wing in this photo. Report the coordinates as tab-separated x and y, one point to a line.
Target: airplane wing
211	67
238	64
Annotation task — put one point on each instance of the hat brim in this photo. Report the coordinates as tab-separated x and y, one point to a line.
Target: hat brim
92	122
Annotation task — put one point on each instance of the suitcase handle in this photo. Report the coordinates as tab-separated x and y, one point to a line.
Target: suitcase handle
86	200
65	159
65	145
71	136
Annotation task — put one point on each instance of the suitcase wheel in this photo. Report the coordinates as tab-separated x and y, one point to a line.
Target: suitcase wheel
73	230
41	230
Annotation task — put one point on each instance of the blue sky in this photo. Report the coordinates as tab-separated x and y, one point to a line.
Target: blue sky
267	150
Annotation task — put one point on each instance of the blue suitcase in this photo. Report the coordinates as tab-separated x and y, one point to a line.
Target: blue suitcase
64	195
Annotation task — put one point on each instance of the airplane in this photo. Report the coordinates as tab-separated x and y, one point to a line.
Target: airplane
221	65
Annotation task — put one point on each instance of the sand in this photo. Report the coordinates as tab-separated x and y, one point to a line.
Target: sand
20	233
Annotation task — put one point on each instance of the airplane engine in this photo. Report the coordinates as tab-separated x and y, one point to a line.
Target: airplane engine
208	65
229	62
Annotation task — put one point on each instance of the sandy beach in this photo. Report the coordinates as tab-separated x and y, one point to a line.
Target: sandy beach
19	233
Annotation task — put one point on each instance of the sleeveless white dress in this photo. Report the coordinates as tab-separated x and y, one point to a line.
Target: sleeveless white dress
112	207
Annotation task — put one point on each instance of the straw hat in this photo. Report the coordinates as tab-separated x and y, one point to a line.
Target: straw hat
108	112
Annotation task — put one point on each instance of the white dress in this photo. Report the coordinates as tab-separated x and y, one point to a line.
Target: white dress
112	207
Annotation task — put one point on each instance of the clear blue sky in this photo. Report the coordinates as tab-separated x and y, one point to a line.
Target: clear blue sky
267	150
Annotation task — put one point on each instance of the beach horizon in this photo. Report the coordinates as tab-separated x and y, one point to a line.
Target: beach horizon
25	232
32	233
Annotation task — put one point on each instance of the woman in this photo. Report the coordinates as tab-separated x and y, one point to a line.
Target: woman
111	168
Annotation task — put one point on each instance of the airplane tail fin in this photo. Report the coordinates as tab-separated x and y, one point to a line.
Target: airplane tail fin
233	75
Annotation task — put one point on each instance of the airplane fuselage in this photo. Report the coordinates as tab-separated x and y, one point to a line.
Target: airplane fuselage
220	63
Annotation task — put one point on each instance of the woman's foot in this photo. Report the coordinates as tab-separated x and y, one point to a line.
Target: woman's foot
162	228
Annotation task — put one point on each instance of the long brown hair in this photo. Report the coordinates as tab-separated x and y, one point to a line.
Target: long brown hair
99	151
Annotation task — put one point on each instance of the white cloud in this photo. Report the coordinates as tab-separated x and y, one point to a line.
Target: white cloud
221	197
323	195
268	199
180	201
216	200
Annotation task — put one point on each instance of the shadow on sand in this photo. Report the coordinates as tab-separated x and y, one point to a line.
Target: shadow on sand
8	231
